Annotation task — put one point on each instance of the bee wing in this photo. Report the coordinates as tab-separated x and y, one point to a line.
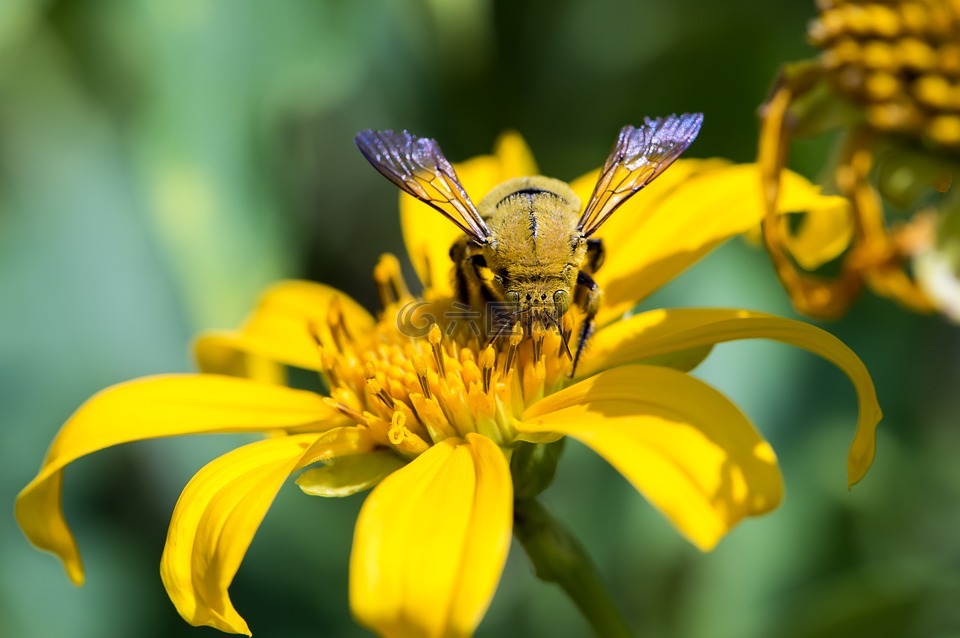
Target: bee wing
638	157
418	167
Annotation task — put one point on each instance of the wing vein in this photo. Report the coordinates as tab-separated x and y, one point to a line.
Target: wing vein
419	168
639	155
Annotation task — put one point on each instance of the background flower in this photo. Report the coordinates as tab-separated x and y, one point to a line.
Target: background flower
153	153
885	88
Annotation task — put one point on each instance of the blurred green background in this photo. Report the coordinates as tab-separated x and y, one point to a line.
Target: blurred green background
162	161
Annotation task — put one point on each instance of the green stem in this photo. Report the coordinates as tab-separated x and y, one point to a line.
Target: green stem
558	558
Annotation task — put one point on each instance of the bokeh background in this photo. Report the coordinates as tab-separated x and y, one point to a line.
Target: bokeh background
161	161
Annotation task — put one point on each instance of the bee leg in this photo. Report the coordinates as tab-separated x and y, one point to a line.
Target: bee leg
595	255
473	291
462	279
591	304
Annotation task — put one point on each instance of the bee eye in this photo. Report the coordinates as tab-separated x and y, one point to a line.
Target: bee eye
561	301
512	297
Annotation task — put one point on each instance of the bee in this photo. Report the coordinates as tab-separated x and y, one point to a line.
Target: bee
528	248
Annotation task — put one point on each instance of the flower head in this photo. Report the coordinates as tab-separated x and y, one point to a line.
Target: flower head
888	78
424	409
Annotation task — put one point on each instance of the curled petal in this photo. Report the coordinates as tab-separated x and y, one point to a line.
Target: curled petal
681	443
231	353
150	408
431	541
821	236
660	332
428	236
671	228
810	295
219	512
282	329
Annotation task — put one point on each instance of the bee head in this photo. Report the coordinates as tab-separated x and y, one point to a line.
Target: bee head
553	299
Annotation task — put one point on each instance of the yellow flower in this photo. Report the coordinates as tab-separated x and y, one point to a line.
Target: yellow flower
431	421
888	78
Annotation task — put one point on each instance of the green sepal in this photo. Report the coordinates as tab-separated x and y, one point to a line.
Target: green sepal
533	466
348	475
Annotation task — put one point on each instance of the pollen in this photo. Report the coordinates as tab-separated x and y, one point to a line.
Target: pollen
413	384
377	390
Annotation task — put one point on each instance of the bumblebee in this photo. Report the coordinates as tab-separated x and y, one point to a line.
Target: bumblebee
528	250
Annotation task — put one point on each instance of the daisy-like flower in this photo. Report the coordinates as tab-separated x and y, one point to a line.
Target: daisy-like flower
445	428
888	80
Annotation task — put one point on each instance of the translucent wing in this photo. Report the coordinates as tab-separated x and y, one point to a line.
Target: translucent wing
637	158
418	167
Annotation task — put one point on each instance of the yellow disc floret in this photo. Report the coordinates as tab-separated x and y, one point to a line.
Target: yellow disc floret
426	373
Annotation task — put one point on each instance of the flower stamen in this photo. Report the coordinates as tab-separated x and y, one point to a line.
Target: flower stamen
537	347
338	329
515	340
487	364
377	390
433	418
420	367
391	285
345	410
435	336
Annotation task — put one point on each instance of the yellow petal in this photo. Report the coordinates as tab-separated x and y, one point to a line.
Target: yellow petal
642	338
150	408
515	157
663	331
220	510
281	329
431	541
681	443
683	224
343	476
824	232
814	296
619	229
229	353
429	236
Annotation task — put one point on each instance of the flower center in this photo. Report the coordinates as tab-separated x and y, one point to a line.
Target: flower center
431	370
899	59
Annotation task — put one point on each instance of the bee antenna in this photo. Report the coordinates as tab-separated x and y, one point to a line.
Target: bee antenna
563	337
501	329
